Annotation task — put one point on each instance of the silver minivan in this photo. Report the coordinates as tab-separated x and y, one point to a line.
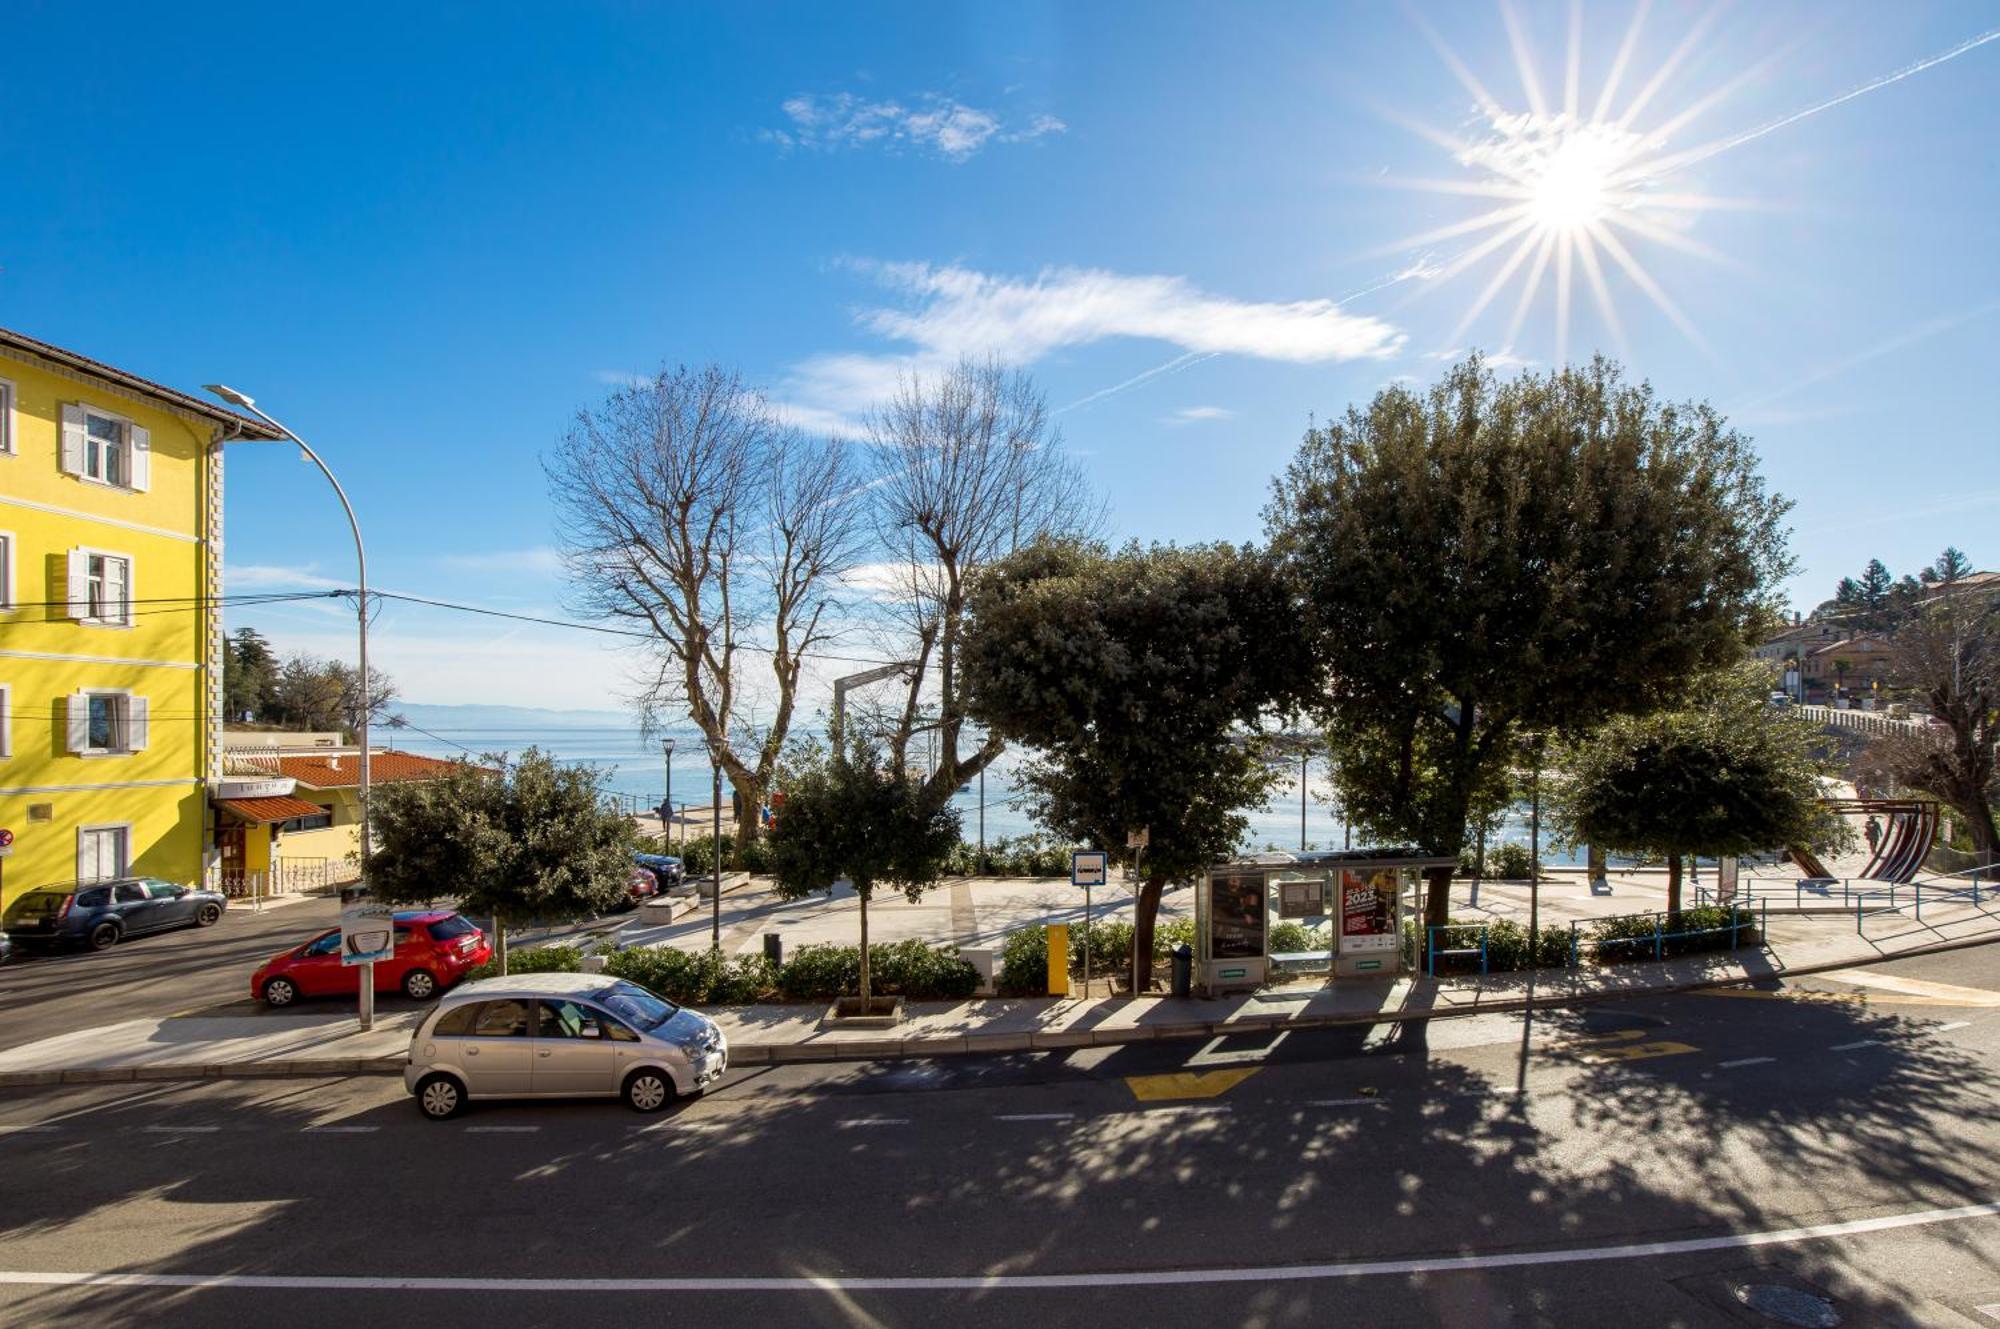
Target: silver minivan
560	1036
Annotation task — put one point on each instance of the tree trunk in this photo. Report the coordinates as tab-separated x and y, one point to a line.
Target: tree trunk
1673	884
1145	912
865	994
1437	900
1597	868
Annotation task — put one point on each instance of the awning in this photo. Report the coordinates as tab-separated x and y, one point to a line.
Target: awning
260	811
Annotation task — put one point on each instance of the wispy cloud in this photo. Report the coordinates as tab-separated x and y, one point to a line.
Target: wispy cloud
621	378
536	561
279	577
926	123
946	312
1908	337
1194	415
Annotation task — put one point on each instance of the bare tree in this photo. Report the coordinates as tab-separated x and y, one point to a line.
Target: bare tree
968	468
688	508
1950	654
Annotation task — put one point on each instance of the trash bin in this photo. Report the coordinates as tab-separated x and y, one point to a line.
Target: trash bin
1183	962
774	948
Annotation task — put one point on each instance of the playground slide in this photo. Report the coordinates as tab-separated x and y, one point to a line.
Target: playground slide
1808	863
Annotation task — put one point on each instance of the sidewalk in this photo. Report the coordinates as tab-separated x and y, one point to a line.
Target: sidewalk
327	1043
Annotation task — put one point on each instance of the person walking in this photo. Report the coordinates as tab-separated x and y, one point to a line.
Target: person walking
1873	830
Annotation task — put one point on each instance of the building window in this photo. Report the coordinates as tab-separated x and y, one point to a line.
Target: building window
6	418
106	448
315	822
102	852
101	723
108	588
6	721
6	570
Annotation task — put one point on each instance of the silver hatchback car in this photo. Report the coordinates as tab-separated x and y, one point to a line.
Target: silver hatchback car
560	1036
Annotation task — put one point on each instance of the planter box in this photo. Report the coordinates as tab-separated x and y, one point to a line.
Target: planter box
846	1013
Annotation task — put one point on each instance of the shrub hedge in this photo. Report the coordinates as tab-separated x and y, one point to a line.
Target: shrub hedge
814	973
1607	941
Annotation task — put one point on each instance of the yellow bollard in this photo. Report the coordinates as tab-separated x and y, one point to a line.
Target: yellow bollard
1058	959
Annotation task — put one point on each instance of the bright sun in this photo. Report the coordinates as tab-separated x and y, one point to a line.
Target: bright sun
1565	183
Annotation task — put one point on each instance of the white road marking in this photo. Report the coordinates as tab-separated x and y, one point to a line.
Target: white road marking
1184	1110
341	1130
1034	1116
1916	987
821	1284
1947	1028
873	1121
1743	1061
28	1130
676	1125
1858	1043
182	1130
1348	1102
501	1130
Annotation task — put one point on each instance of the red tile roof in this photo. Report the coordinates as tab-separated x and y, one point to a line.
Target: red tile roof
263	810
343	770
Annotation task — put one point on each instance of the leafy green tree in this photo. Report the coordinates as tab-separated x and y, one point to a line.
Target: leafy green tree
531	840
249	669
851	816
307	692
1492	558
1951	566
1724	773
1133	677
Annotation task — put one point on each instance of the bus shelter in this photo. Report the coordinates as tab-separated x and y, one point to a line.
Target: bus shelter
1357	898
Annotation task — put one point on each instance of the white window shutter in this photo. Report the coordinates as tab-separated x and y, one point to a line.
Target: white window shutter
6	722
135	724
79	721
72	438
141	439
79	584
128	612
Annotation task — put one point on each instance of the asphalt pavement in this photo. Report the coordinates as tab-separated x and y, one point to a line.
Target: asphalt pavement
45	993
1650	1163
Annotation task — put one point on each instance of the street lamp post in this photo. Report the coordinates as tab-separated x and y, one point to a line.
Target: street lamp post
715	851
243	402
667	803
1303	758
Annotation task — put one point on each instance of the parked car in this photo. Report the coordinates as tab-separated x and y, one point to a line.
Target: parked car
640	887
560	1036
101	914
6	947
666	869
434	949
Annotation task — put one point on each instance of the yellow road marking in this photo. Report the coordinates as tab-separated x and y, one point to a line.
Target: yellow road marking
1948	994
1851	998
1188	1084
1618	1045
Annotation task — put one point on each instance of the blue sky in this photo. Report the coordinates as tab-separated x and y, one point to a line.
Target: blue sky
424	236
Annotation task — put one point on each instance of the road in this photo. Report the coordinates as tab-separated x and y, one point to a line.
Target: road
167	972
1310	1179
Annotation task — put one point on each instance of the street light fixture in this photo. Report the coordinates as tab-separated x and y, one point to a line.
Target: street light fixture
244	402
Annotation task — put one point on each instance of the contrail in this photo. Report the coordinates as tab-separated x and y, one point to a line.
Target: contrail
1179	362
1703	154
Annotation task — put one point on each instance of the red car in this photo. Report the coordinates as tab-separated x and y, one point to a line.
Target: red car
434	949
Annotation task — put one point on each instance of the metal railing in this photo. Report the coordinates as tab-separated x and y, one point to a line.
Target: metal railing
1439	939
1844	892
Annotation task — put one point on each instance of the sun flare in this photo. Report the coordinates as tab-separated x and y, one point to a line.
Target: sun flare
1569	189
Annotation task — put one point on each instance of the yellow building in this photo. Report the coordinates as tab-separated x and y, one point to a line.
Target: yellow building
110	631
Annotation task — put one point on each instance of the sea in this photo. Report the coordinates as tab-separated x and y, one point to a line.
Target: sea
634	767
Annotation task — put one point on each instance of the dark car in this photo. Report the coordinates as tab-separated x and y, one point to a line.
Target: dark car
99	914
666	869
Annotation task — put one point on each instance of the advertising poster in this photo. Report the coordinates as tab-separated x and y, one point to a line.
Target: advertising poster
1236	915
1301	899
1368	911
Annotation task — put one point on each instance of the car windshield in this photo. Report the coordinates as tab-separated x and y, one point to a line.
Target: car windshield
638	1007
35	904
446	929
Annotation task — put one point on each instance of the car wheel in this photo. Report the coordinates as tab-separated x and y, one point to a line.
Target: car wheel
280	992
648	1090
419	985
440	1097
208	916
104	936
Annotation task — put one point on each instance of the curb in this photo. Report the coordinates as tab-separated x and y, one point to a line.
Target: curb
906	1049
